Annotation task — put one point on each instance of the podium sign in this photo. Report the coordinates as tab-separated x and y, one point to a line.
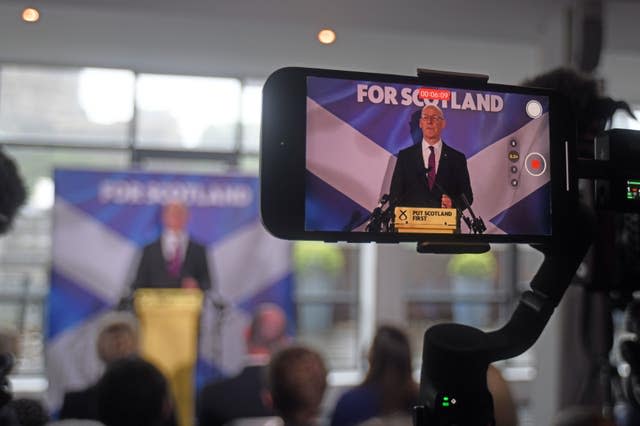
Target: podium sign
169	324
425	220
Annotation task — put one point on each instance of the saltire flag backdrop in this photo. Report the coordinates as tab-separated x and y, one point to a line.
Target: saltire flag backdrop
355	130
102	220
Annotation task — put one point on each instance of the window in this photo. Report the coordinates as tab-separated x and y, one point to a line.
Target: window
187	112
327	299
469	289
65	105
251	115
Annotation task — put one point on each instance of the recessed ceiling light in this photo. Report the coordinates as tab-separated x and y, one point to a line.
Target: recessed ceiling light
326	36
30	14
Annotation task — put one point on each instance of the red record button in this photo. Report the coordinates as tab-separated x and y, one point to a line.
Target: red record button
535	164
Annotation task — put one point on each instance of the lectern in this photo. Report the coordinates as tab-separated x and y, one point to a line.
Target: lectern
169	325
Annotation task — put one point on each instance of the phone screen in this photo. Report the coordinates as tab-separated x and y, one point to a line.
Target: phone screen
427	146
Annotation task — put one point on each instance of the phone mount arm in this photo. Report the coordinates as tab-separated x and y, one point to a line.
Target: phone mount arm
453	384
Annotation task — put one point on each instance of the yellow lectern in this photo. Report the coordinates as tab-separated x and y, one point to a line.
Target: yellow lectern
425	220
169	324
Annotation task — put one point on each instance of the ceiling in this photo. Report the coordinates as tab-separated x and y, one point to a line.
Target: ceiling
507	39
518	20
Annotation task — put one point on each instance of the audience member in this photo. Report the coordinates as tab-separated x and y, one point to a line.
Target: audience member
239	397
296	381
132	392
504	407
388	388
117	338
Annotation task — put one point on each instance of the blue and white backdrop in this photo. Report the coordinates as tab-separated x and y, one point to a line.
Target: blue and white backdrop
101	222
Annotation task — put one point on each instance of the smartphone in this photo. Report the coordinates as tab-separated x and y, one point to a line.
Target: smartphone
360	157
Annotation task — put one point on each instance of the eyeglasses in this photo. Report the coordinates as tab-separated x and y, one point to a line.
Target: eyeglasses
433	118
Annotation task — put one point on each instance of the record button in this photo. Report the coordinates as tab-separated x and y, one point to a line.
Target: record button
535	164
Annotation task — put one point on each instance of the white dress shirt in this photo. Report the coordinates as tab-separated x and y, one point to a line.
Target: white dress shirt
171	240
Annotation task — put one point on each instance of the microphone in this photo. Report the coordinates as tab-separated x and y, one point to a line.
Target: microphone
476	224
381	203
375	223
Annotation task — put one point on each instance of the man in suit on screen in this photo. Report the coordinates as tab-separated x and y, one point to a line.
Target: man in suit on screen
174	260
430	173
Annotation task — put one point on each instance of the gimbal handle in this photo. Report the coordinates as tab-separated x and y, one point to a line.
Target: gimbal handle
455	358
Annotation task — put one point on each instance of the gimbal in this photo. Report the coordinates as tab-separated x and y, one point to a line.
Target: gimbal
455	358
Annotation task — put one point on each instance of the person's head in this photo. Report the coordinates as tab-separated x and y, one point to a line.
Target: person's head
390	369
267	332
296	381
175	216
389	355
132	392
117	337
591	108
432	122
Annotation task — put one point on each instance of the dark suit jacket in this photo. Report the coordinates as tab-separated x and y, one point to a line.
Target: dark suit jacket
152	270
229	399
409	186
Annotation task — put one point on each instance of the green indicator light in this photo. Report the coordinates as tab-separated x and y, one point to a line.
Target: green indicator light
633	182
446	398
445	404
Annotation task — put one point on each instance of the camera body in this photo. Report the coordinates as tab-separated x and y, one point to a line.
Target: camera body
617	186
